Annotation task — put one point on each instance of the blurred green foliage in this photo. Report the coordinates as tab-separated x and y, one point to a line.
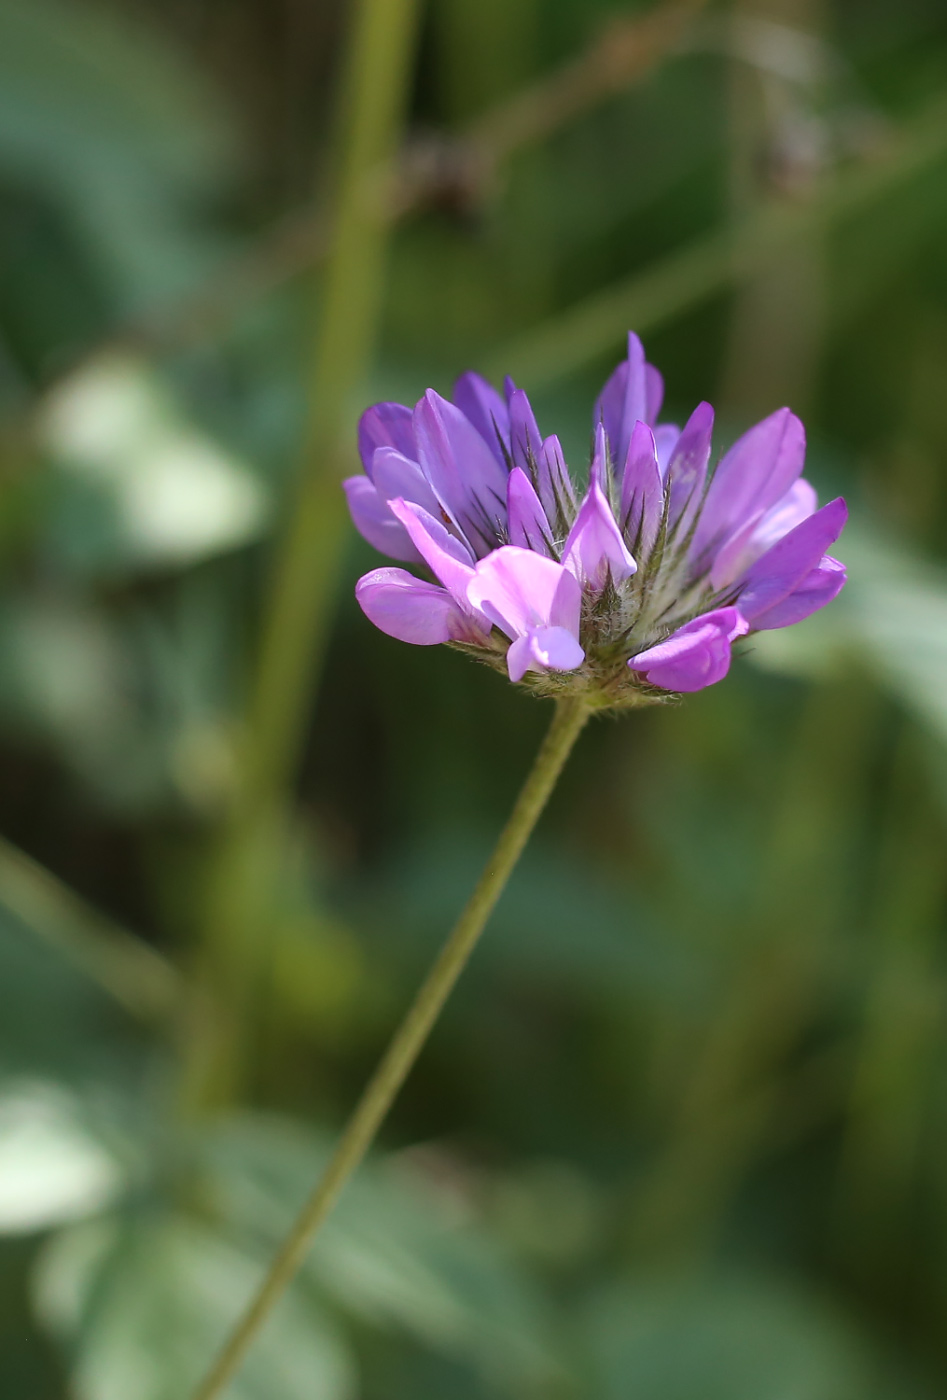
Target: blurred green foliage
680	1133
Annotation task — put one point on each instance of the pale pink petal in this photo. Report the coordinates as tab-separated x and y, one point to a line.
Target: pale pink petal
519	590
409	609
594	550
448	558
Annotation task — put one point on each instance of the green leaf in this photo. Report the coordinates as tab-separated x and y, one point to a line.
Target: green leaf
53	1167
390	1253
721	1338
144	1304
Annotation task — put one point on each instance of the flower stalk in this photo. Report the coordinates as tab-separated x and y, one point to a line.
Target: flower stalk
568	721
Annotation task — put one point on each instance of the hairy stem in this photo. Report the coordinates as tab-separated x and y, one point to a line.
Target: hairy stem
403	1051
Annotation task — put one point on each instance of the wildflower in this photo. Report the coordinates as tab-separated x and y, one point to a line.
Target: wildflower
635	591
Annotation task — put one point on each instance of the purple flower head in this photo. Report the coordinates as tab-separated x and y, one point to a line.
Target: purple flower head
633	591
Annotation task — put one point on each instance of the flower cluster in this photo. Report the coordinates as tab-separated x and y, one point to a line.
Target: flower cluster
636	590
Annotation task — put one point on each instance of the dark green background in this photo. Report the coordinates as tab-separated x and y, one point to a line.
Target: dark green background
682	1132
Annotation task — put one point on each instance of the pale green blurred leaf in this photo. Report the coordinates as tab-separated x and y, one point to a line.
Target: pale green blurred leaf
171	495
721	1338
143	1305
53	1167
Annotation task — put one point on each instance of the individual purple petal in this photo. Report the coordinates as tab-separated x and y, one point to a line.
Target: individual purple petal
467	479
687	468
818	587
519	590
396	476
653	393
385	425
696	655
525	440
485	407
779	571
527	524
554	484
665	441
374	521
409	609
594	550
760	533
756	473
624	400
447	557
642	490
543	649
598	471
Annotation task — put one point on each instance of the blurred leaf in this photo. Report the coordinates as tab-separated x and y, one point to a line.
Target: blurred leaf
390	1252
144	1304
721	1338
171	495
53	1169
101	114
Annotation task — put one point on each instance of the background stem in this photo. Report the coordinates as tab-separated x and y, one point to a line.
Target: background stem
568	722
244	860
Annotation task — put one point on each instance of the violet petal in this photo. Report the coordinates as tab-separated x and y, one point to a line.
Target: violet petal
819	587
554	484
467	479
777	573
374	521
761	532
757	472
396	476
696	655
526	520
665	441
624	400
642	490
487	411
385	425
687	468
525	440
653	393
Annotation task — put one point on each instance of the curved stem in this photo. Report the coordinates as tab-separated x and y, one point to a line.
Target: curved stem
402	1052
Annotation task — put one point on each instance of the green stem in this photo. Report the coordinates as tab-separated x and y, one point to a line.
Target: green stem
243	862
396	1063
